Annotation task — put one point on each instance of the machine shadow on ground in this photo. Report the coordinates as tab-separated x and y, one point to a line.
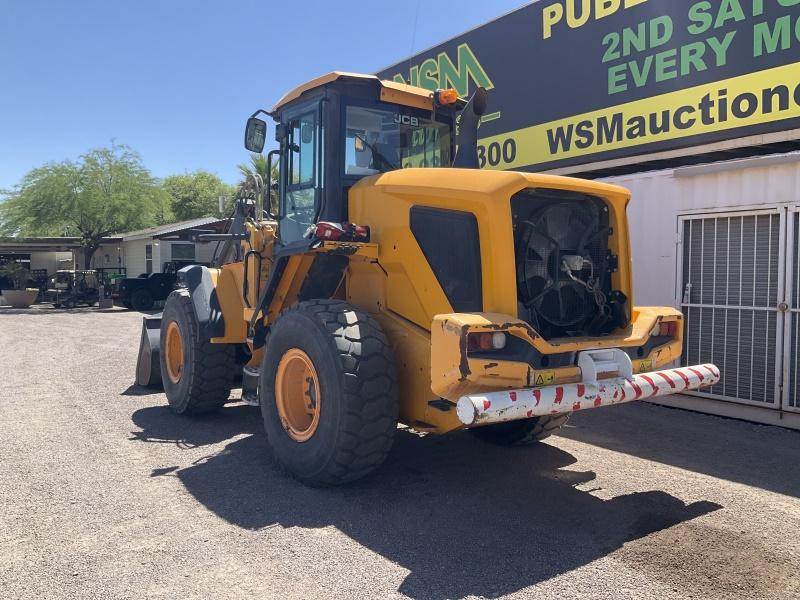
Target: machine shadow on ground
46	310
140	390
757	455
462	516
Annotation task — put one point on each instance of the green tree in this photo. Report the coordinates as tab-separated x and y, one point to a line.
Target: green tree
255	181
105	191
194	195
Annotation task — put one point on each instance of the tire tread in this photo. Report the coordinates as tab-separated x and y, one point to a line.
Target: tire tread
521	433
211	379
370	420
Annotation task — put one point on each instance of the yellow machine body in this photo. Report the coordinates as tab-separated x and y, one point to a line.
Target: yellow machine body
394	280
391	279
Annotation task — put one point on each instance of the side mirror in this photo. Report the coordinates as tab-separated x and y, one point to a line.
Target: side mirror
255	135
358	144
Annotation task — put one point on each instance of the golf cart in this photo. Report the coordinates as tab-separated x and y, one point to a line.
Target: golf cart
69	289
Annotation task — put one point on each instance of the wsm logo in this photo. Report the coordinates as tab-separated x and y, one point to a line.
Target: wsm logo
441	72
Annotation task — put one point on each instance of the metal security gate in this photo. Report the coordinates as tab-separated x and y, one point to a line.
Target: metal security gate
732	279
791	309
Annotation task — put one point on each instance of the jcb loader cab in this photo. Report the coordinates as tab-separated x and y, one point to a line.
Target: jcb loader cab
394	281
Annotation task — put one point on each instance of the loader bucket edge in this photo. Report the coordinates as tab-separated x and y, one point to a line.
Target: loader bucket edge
148	364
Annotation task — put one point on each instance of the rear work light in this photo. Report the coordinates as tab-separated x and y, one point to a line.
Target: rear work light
486	342
665	329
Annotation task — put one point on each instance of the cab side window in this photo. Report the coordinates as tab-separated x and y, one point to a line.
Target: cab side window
302	152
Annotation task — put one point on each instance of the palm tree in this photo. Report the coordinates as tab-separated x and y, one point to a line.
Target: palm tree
255	181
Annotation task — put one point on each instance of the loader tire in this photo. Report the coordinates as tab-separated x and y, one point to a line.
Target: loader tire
520	433
328	392
142	300
197	375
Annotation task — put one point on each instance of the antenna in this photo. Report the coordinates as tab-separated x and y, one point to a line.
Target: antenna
413	41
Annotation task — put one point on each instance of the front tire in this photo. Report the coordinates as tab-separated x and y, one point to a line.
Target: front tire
328	392
197	375
520	433
142	300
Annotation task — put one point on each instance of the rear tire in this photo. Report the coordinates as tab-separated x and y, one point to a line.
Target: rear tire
127	305
200	379
351	385
142	300
520	433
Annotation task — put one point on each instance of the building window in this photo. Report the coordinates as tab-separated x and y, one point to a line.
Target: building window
148	258
183	252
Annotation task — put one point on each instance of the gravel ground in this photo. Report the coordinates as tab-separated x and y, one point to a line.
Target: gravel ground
105	494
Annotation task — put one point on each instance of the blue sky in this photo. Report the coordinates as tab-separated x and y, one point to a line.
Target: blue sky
176	79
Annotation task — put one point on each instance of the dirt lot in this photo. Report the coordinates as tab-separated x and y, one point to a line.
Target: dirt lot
105	494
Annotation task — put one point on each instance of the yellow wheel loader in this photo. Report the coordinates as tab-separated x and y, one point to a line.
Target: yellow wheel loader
396	281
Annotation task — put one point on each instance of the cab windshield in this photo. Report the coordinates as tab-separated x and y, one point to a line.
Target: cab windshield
380	140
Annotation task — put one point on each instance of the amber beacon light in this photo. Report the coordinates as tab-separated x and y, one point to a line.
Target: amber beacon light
445	97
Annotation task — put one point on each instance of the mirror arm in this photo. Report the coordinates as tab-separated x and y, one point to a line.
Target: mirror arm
261	111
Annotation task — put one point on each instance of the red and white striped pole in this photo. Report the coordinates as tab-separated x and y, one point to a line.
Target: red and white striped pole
499	407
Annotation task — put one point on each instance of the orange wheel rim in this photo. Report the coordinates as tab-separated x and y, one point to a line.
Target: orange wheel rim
297	395
174	352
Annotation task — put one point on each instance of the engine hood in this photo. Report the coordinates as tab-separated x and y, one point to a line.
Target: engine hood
470	204
495	185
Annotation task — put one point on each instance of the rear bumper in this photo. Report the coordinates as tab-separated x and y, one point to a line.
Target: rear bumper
499	407
529	360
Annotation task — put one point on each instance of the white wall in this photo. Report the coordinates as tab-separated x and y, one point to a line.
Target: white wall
203	253
134	256
658	198
49	260
109	256
158	257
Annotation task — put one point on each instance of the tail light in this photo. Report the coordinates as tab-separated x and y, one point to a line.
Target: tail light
340	232
486	341
665	329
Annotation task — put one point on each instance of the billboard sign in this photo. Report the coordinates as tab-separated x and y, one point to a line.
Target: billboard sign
574	82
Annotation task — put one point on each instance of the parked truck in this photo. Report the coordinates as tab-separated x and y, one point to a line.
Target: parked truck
142	292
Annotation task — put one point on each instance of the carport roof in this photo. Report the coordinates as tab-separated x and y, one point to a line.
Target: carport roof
169	229
38	244
27	245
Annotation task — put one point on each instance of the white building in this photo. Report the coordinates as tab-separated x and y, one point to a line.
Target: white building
148	250
41	254
132	253
721	242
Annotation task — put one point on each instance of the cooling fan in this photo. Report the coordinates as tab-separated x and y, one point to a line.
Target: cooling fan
559	230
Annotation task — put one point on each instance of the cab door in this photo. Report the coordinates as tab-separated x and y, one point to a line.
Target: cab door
301	181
